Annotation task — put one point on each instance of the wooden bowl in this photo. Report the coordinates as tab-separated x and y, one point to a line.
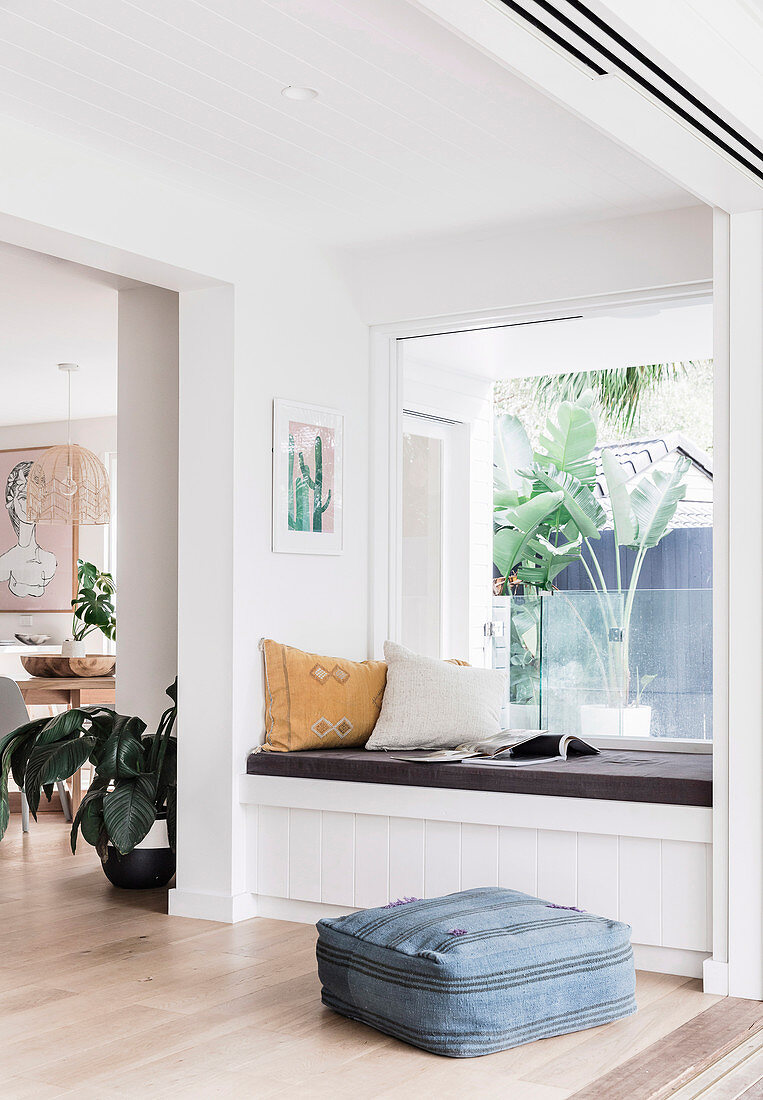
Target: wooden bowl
53	664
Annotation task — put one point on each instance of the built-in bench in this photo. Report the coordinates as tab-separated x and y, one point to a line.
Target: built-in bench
669	778
627	834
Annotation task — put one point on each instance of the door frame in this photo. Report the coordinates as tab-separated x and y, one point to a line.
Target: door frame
455	438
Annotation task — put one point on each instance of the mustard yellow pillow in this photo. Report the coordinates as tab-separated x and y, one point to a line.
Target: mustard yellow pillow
314	702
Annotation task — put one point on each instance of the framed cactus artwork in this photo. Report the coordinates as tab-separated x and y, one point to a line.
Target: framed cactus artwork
308	448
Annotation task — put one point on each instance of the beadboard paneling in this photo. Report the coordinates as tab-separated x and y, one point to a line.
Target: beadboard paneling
684	912
442	873
406	857
557	866
371	860
305	854
273	851
598	874
640	888
660	887
518	859
479	856
338	858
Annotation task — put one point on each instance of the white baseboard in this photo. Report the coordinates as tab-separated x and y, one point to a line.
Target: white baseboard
669	960
225	908
299	912
661	960
716	977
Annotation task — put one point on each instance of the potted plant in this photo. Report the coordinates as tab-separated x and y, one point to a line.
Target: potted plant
128	812
93	608
634	719
545	513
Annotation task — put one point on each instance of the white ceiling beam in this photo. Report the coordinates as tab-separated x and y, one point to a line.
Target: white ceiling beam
716	48
610	104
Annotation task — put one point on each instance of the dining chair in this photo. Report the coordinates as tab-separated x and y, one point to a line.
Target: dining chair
13	713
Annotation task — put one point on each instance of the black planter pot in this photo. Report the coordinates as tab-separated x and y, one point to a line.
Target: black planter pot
146	867
140	869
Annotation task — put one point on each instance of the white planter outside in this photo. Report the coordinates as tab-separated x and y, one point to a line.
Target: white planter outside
70	648
523	716
602	721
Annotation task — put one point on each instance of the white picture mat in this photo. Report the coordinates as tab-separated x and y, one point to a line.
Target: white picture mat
286	541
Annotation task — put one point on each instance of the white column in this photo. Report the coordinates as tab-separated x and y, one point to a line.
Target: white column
210	819
745	638
147	448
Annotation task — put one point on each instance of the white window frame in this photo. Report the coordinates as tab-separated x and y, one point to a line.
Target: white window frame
386	475
454	565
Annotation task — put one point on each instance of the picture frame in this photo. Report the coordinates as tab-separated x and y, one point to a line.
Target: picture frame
44	582
308	475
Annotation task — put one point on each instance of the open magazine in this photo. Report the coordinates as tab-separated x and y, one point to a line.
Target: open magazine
511	749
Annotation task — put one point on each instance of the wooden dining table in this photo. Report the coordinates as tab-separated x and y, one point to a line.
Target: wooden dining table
68	691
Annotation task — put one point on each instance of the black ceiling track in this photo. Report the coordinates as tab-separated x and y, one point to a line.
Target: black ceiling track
621	65
520	9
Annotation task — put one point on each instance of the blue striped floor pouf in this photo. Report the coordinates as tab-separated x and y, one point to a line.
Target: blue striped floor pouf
476	972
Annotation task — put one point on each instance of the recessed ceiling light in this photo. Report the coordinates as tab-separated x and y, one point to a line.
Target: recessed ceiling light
292	91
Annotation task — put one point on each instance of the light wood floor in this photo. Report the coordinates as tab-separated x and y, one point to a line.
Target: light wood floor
102	994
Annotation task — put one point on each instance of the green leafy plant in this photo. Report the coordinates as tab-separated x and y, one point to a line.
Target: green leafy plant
135	772
544	511
94	604
618	390
524	650
539	532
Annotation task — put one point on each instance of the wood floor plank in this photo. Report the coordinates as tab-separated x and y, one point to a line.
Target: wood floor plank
604	1048
680	1055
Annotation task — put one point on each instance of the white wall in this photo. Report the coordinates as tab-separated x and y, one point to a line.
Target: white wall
55	313
493	270
100	436
147	426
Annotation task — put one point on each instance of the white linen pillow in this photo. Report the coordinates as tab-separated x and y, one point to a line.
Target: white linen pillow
431	704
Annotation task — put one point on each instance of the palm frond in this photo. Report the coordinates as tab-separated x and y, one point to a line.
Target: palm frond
618	390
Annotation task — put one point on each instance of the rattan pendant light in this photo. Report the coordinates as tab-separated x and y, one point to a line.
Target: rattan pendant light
69	485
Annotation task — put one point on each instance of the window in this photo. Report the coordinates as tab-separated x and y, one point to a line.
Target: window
607	609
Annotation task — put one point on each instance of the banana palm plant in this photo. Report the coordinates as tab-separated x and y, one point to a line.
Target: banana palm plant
641	518
135	772
539	534
544	512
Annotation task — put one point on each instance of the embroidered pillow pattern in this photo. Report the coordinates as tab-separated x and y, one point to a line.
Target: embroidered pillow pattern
314	702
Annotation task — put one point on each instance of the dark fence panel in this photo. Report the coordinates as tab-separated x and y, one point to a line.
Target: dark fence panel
684	559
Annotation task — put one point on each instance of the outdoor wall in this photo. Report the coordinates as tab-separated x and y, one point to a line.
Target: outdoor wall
100	436
433	278
147	424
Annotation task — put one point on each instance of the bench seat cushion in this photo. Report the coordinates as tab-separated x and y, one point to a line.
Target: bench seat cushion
477	971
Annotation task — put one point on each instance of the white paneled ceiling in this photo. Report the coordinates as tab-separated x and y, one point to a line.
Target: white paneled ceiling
413	131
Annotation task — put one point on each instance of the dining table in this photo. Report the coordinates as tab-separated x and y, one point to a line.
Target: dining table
68	691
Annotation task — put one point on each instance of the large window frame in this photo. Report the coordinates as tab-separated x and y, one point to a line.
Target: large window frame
386	475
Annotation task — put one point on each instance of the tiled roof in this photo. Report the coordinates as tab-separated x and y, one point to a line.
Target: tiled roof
639	456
